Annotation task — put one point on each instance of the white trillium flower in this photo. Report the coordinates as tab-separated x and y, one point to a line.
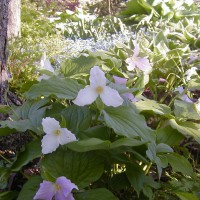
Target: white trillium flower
182	95
191	72
141	63
46	65
97	87
55	135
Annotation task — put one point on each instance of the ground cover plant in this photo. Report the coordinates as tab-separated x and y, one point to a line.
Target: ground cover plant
116	123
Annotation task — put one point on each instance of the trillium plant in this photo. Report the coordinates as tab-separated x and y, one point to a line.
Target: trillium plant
105	127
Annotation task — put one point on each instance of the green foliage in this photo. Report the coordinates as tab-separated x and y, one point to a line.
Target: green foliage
139	150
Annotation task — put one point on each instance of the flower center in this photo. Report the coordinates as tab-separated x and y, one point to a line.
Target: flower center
57	132
99	89
57	187
133	58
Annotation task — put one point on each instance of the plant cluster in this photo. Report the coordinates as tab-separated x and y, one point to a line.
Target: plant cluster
119	123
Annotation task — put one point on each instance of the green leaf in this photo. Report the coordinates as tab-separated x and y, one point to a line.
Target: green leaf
186	196
27	116
60	87
32	150
78	66
101	132
80	168
78	118
185	110
4	175
30	188
127	122
187	128
4	109
95	194
55	111
126	142
194	84
153	107
119	181
169	136
6	131
88	145
8	195
180	164
135	176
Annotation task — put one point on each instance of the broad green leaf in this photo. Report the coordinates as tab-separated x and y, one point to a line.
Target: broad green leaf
119	181
8	195
55	111
60	87
4	175
101	132
94	194
187	128
185	110
133	7
20	125
4	109
126	142
126	121
186	196
180	164
163	148
153	107
78	118
135	176
78	66
6	131
30	188
32	150
88	145
194	84
169	136
27	116
140	84
80	168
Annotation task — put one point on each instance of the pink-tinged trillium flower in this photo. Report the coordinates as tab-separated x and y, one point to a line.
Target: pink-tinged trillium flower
55	135
139	62
122	81
183	96
97	87
61	190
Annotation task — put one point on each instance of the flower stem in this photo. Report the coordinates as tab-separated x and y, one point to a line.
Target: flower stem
5	159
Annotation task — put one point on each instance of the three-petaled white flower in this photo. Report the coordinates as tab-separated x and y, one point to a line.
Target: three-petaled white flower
60	190
182	95
140	62
97	87
55	135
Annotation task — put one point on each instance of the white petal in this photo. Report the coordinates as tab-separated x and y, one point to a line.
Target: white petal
136	50
66	136
50	125
86	96
143	64
120	80
48	66
97	77
111	97
131	66
49	143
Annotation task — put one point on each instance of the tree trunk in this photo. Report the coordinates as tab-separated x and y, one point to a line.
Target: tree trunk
14	18
3	48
